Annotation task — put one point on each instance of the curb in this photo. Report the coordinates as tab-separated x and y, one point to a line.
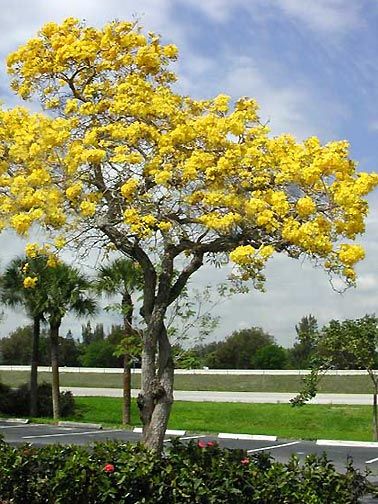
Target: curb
80	424
252	437
16	420
335	442
168	432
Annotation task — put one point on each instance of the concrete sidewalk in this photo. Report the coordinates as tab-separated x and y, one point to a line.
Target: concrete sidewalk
239	397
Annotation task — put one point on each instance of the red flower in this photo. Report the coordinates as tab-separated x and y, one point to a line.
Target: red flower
109	468
202	444
211	443
245	461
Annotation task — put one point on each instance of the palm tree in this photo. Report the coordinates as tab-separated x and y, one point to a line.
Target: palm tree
123	277
13	294
66	291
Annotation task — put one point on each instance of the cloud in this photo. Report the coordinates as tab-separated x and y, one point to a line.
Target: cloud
326	16
21	19
332	16
294	107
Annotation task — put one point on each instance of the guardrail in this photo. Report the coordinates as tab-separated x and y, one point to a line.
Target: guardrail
242	372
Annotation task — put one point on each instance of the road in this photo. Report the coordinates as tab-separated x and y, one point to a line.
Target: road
364	456
240	397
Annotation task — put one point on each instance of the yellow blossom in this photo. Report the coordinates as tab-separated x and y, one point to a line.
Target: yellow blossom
30	282
32	250
305	206
87	208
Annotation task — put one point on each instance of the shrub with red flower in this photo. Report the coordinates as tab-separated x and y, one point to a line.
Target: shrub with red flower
202	444
109	468
245	461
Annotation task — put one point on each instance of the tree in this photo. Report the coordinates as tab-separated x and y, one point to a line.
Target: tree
239	349
100	353
14	293
168	181
87	333
16	348
270	357
124	277
69	351
66	288
350	344
307	331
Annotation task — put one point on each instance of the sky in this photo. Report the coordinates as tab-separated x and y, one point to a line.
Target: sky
313	69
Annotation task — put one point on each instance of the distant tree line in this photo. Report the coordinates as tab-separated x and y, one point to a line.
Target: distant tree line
250	348
94	348
253	348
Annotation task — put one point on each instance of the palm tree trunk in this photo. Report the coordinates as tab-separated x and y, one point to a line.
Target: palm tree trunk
126	407
54	340
34	368
375	415
127	305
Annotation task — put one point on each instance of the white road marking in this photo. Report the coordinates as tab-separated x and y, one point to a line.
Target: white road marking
273	447
185	438
371	461
361	444
253	437
168	432
74	434
192	437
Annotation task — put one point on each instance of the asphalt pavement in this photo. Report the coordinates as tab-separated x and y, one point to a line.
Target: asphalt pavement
239	397
365	455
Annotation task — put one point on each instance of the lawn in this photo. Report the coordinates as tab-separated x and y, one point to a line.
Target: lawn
308	422
233	383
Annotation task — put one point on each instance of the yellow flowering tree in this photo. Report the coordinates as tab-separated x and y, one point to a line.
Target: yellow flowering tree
167	180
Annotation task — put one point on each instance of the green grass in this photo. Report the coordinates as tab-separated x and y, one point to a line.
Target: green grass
262	383
308	422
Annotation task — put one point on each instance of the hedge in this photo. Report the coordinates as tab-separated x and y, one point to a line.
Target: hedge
203	473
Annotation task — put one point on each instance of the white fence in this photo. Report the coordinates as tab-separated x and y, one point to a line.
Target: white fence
241	372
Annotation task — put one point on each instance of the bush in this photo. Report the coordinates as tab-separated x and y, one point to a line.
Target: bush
17	401
202	473
5	398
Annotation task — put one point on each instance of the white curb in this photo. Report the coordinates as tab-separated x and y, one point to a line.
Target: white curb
80	424
168	432
252	437
16	420
335	442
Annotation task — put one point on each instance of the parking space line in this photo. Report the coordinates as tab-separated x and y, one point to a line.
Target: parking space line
371	460
192	437
273	447
73	433
186	438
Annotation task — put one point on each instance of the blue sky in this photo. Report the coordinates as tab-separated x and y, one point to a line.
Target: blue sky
312	66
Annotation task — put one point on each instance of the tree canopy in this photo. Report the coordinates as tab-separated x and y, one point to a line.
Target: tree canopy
144	165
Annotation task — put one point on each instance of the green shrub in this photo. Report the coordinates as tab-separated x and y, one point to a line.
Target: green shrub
202	473
17	401
5	398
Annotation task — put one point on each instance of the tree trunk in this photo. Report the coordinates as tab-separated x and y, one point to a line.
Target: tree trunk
34	368
156	397
375	416
54	340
